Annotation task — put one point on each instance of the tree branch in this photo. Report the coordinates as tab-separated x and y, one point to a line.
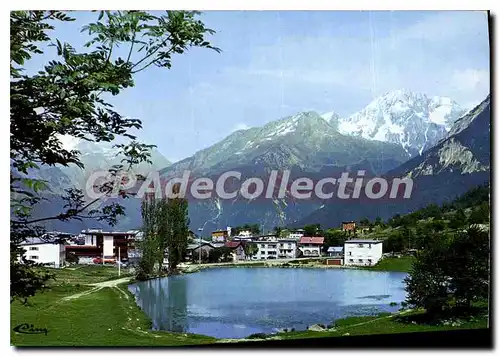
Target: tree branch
153	52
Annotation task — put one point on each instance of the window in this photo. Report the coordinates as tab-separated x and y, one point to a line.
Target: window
370	246
33	257
360	260
350	253
361	245
351	260
33	248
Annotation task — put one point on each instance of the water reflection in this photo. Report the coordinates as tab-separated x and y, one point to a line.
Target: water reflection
236	302
166	300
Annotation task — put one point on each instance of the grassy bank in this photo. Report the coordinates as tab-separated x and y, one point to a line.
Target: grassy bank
86	274
105	317
384	323
401	264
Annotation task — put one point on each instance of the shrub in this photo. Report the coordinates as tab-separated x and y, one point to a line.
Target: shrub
257	336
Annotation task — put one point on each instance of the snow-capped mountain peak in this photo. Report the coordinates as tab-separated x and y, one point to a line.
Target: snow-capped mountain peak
412	120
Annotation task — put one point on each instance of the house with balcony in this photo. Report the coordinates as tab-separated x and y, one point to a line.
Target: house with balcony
267	248
311	246
287	248
106	244
362	252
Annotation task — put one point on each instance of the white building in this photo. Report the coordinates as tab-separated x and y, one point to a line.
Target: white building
311	246
362	252
244	234
287	248
267	249
46	252
295	235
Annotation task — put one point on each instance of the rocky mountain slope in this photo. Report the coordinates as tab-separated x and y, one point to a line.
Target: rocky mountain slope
459	162
304	140
414	121
304	143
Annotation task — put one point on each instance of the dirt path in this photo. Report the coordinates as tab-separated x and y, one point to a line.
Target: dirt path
98	286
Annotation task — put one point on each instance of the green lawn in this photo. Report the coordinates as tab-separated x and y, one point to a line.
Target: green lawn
86	274
381	324
102	318
402	264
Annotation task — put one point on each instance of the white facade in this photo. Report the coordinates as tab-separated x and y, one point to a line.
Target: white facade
295	235
90	240
267	249
287	248
310	250
107	245
245	233
51	254
362	252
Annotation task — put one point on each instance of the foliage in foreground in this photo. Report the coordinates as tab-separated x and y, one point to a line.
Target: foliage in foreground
69	96
451	274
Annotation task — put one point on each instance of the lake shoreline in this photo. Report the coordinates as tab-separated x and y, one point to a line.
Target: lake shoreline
388	264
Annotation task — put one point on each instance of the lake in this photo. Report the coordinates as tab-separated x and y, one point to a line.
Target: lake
237	302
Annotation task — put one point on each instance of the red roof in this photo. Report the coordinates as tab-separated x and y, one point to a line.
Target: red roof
232	244
312	240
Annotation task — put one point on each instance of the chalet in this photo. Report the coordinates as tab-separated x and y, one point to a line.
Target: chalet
197	251
362	252
311	246
348	226
238	250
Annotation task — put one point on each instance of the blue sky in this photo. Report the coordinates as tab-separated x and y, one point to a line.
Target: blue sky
275	64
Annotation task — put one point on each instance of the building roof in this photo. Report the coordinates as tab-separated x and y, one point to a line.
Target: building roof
233	244
114	233
335	249
363	241
40	241
348	222
195	245
312	240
